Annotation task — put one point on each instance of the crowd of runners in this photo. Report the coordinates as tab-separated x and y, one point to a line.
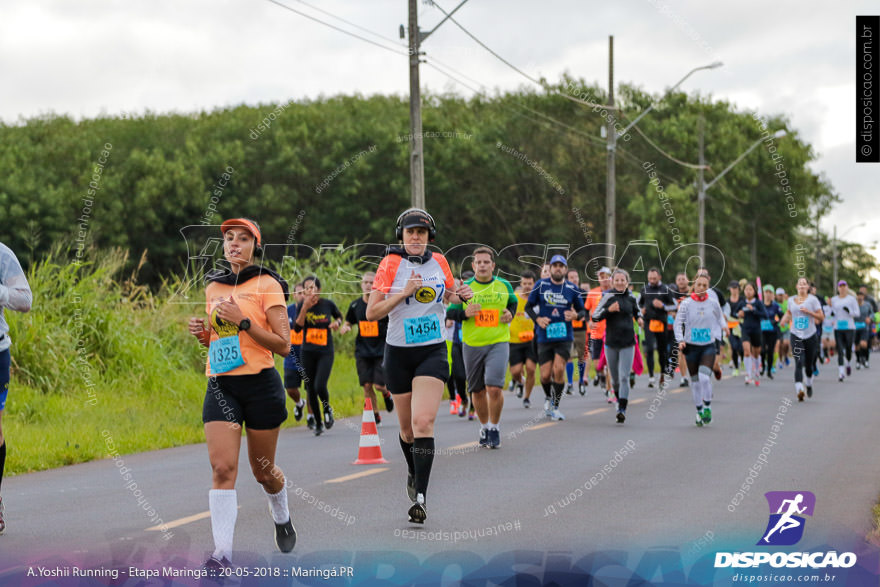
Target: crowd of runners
420	331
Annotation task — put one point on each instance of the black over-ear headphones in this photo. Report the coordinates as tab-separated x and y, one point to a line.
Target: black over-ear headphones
428	222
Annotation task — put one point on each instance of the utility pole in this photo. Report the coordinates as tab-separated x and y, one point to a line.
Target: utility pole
834	257
701	196
611	146
416	157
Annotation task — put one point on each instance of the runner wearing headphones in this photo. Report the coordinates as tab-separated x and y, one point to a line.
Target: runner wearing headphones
411	286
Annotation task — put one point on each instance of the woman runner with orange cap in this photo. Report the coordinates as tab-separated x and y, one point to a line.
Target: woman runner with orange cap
248	323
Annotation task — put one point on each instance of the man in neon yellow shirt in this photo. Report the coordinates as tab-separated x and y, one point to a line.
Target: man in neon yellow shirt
485	329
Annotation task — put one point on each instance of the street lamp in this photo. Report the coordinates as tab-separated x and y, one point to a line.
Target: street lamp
611	146
834	248
703	187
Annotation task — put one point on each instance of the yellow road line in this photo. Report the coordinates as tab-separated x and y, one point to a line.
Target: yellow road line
181	522
539	426
353	476
596	411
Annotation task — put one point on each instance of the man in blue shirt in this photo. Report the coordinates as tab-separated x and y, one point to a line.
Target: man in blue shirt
553	303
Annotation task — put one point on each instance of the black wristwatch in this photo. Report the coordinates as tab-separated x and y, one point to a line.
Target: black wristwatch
244	324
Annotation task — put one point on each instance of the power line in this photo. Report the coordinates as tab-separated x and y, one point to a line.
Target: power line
366	30
664	153
334	27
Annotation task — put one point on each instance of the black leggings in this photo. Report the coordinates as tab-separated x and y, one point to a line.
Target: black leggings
317	367
767	349
844	340
658	341
805	351
457	383
736	349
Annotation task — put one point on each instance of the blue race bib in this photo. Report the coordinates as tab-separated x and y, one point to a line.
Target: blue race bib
422	329
557	330
224	354
843	325
766	325
860	325
460	339
701	335
669	319
801	323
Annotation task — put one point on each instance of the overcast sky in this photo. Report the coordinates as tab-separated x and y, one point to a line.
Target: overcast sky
797	58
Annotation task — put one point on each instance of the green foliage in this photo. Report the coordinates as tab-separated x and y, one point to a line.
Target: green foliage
344	162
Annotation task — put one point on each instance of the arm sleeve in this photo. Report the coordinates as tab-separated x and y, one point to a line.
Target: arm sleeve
512	302
349	315
530	311
599	312
669	306
455	312
678	325
15	293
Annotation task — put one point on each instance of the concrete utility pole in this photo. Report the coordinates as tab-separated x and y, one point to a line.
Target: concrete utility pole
416	145
611	139
416	155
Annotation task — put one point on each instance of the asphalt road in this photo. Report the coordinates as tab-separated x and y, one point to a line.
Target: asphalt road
585	485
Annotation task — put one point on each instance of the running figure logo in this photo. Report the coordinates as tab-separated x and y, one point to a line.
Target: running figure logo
786	526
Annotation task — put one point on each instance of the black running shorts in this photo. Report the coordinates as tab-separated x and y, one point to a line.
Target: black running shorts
257	400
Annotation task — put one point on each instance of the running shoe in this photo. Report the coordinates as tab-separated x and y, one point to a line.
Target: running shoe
568	389
378	418
319	430
484	437
582	388
214	568
310	422
770	375
526	403
848	370
707	414
816	372
840	378
801	395
285	536
786	361
417	511
298	411
494	438
520	390
621	416
452	409
748	380
462	411
858	365
389	402
411	486
632	380
809	391
651	382
757	382
2	519
512	385
596	381
328	418
685	382
547	407
471	416
699	420
736	372
557	415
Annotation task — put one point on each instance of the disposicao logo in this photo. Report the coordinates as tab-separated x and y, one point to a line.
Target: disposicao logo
785	528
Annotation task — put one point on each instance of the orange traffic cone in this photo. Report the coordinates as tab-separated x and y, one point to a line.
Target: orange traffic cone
369	451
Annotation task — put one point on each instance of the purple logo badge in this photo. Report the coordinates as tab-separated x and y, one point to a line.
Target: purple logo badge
786	526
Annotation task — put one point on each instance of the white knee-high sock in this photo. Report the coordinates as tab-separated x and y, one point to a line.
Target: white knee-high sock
697	392
223	504
278	505
706	385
